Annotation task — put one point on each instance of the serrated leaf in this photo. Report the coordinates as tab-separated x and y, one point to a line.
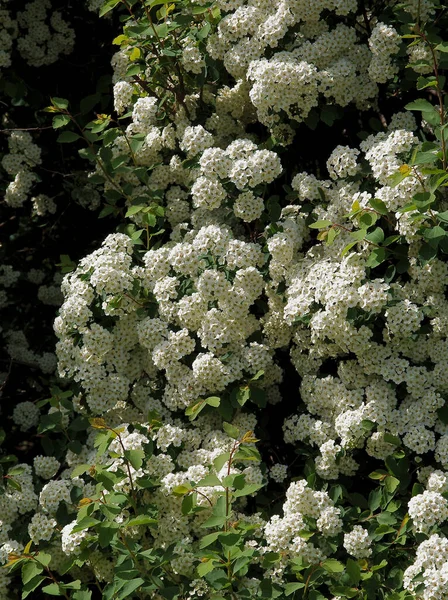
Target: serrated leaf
60	103
331	565
133	210
420	105
141	520
43	558
30	569
205	567
79	470
135	457
320	224
60	121
442	47
52	589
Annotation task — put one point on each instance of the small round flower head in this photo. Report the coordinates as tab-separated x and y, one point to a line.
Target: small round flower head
26	415
343	162
278	472
41	527
427	509
46	466
357	542
248	207
123	91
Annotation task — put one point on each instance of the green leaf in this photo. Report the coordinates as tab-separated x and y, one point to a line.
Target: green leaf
141	520
208	539
110	5
79	470
247	490
32	584
379	206
420	105
188	503
331	565
231	430
376	257
392	439
368	219
130	587
391	483
210	480
15	471
85	523
31	569
214	401
290	588
376	236
354	571
106	533
375	497
434	235
180	490
60	103
205	567
442	47
43	558
66	137
135	457
52	590
320	224
243	395
133	210
82	595
60	121
194	409
344	591
348	247
221	460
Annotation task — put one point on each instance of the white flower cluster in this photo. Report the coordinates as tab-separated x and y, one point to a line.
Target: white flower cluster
13	504
204	287
357	542
23	155
289	78
8	33
335	312
431	564
384	41
46	466
43	42
283	534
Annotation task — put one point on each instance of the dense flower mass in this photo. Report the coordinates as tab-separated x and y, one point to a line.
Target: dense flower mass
246	394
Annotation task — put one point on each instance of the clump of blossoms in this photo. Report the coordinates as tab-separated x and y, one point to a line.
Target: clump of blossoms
196	339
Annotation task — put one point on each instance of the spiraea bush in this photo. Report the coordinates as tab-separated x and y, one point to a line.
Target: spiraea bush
224	270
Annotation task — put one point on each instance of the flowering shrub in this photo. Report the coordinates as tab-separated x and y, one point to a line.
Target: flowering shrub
237	388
